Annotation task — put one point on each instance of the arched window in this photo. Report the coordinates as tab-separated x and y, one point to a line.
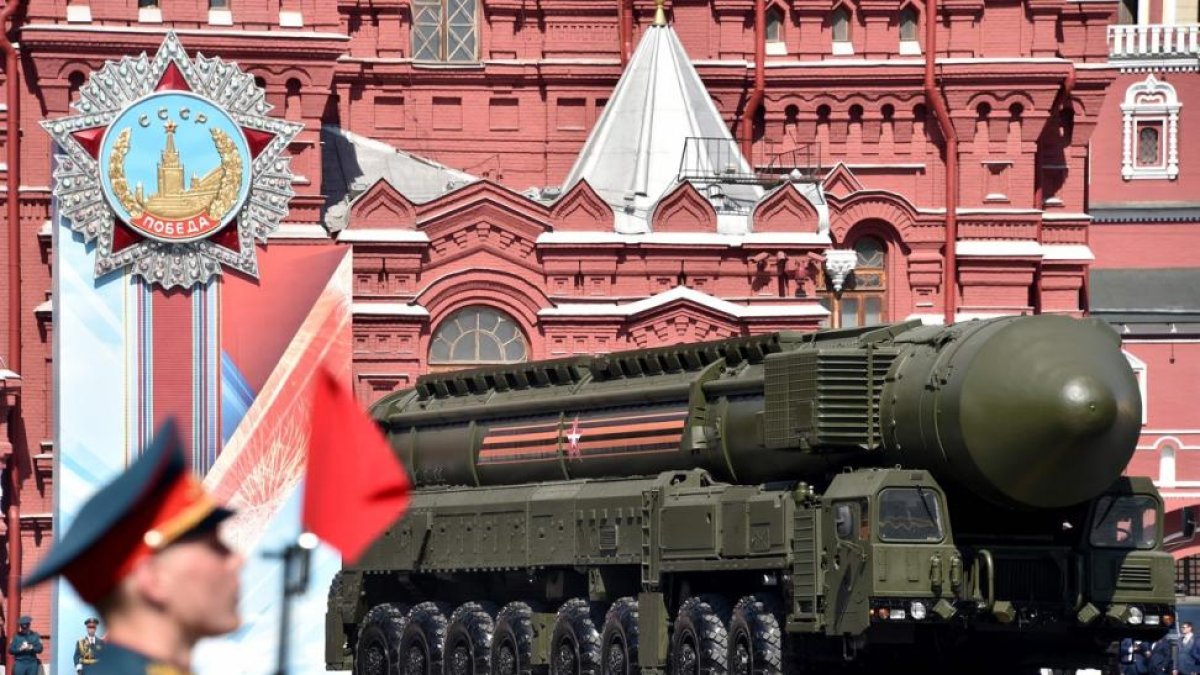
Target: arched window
910	42
477	336
863	298
775	25
841	25
291	101
1166	464
1151	131
445	30
908	24
74	83
1148	154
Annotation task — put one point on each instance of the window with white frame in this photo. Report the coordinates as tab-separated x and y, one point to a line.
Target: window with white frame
774	37
1151	131
1139	374
445	30
840	25
1166	463
909	42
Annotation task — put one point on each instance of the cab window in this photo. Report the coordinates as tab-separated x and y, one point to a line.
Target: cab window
909	515
1126	521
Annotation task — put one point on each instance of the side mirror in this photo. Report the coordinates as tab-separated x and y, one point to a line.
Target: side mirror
844	520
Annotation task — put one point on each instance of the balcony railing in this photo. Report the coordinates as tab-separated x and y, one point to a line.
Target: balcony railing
1153	41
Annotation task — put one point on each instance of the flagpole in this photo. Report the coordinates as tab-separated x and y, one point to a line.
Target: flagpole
295	557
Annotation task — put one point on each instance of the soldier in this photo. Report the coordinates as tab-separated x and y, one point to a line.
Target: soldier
145	551
25	647
88	647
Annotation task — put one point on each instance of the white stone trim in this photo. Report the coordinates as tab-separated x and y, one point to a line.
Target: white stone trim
289	18
149	15
142	30
383	236
688	238
843	48
299	231
1134	110
776	48
387	309
910	48
628	309
79	13
998	248
1067	252
221	16
839	263
1141	374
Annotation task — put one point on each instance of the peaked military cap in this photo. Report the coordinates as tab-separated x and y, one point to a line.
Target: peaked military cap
154	503
91	621
25	620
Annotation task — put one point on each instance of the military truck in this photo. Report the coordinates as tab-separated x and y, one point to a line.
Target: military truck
901	498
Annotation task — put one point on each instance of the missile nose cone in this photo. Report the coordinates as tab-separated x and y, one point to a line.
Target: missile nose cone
1050	411
1086	407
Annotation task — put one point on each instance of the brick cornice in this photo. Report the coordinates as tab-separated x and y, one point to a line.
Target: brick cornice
111	44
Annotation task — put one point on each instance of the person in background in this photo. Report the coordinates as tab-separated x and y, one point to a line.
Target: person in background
146	552
1188	662
25	647
88	647
1161	662
1134	657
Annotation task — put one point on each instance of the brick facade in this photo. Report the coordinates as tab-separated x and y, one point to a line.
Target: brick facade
518	115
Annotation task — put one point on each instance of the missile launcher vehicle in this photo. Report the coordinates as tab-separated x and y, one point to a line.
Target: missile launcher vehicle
899	498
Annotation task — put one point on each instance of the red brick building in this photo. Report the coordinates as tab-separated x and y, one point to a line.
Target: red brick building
1144	233
525	181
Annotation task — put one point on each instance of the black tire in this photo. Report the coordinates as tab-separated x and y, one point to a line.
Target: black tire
421	643
512	641
755	638
468	641
376	651
699	641
619	640
575	643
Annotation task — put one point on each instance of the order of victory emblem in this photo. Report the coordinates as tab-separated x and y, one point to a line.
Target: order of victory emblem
172	167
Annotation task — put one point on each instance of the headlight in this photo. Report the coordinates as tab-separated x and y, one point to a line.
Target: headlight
1135	616
1152	620
898	614
917	610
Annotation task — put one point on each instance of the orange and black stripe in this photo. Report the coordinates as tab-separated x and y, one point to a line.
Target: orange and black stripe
601	435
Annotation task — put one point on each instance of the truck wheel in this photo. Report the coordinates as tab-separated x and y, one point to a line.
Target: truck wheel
377	648
422	640
619	641
755	640
699	643
468	641
575	643
512	641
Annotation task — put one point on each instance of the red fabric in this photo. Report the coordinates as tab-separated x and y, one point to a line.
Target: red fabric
355	487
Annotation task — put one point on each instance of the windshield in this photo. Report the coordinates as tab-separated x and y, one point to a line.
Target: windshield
1128	521
909	514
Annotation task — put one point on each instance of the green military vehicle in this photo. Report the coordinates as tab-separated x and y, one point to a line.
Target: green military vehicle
902	498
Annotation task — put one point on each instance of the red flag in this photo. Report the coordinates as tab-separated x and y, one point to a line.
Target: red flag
355	487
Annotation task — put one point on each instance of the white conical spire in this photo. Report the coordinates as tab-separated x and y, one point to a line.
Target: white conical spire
632	156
